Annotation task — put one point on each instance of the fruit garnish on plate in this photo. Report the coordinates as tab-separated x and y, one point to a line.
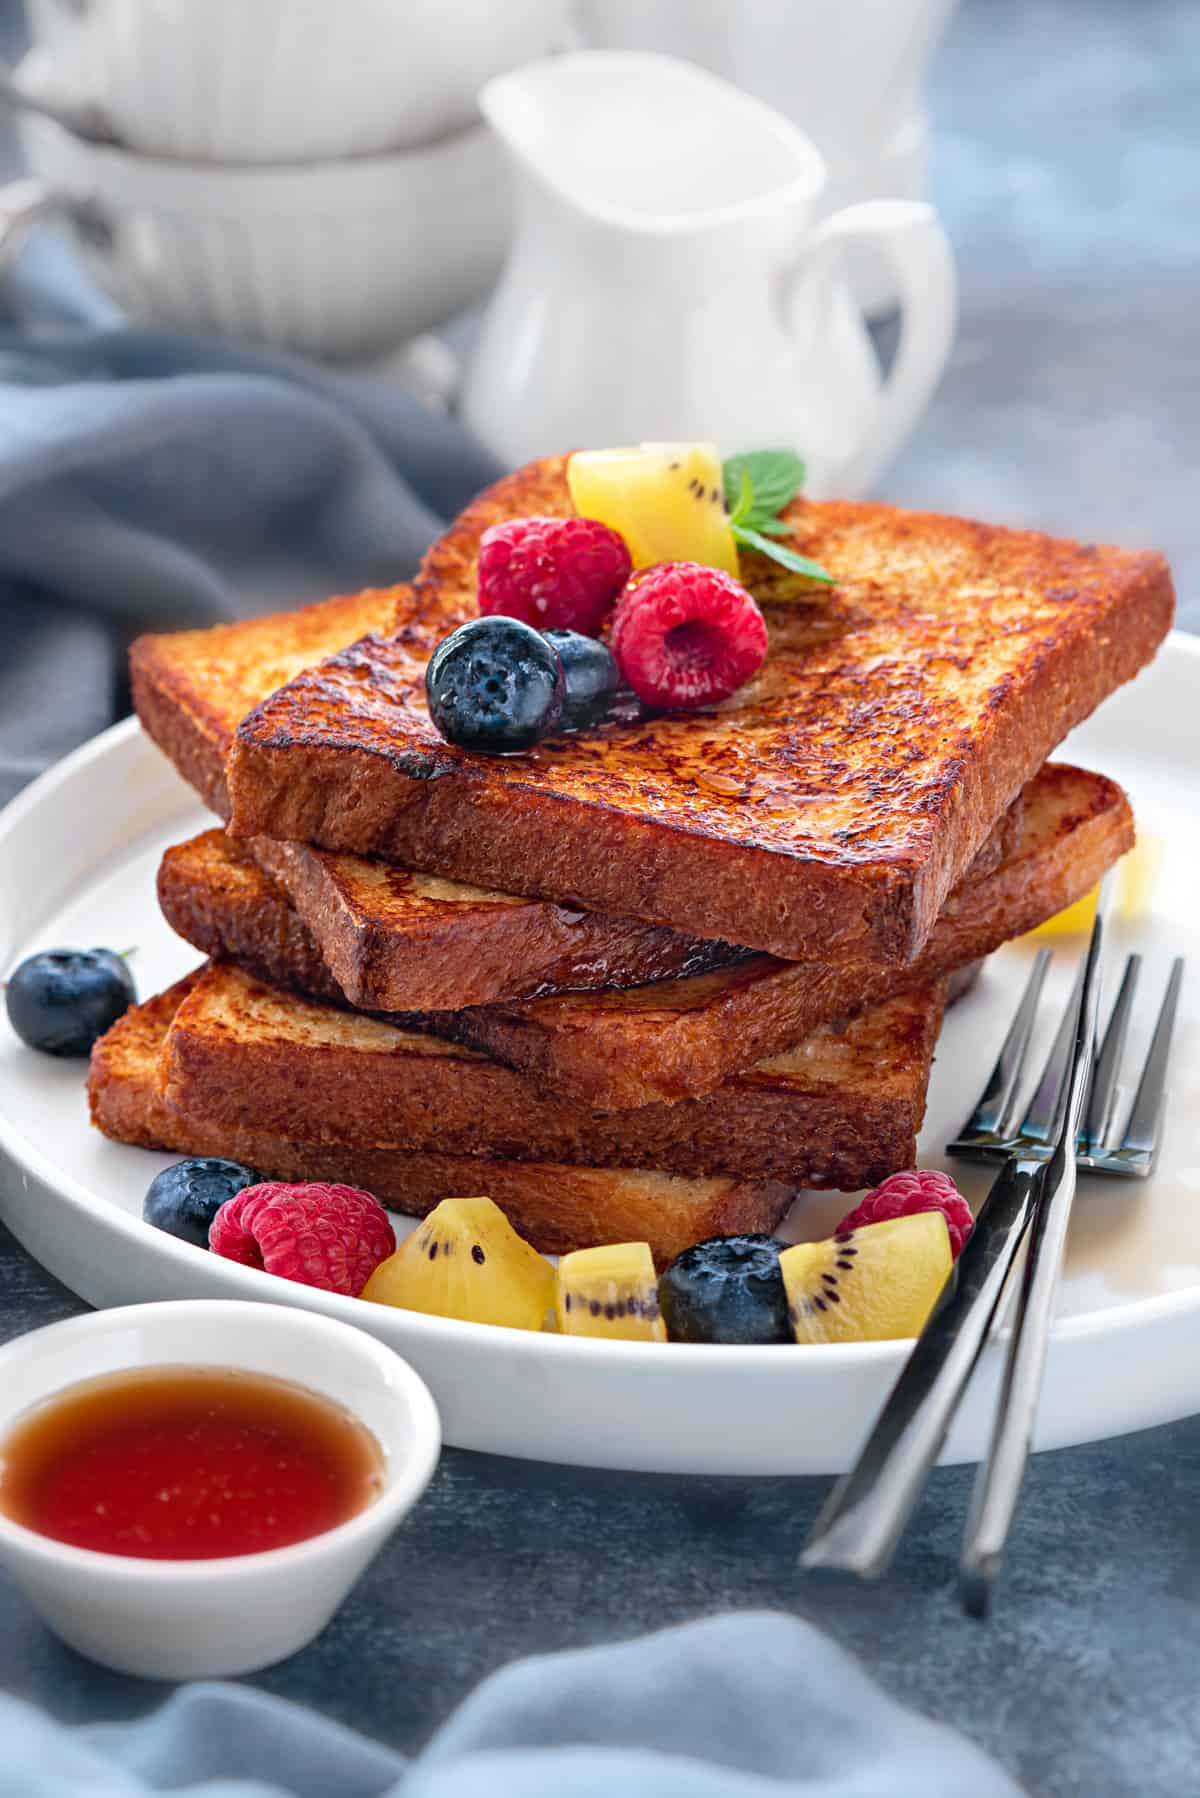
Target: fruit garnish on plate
466	1261
1073	920
903	1195
61	1001
313	1232
758	486
868	1285
686	636
677	502
684	632
591	678
726	1289
495	685
184	1199
610	1292
553	573
1136	876
666	500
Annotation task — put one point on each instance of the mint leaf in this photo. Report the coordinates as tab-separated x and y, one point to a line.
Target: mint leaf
758	485
740	512
787	558
775	476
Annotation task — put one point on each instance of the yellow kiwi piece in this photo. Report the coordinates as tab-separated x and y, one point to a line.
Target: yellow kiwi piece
466	1261
1074	920
868	1285
1136	878
610	1292
667	500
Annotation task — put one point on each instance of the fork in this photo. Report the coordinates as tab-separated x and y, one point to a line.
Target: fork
865	1515
997	1127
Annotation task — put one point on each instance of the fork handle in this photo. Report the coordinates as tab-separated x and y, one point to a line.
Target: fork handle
998	1483
869	1507
1002	1472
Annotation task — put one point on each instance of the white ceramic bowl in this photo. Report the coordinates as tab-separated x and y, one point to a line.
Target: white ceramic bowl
216	1618
342	260
280	80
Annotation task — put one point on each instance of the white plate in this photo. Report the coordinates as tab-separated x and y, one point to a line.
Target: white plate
78	853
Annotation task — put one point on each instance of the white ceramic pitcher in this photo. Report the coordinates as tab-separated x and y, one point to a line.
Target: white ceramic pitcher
666	281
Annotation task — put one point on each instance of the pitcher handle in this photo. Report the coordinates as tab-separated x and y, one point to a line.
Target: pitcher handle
910	237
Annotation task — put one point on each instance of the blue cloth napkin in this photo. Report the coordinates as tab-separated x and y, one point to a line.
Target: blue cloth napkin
733	1707
152	480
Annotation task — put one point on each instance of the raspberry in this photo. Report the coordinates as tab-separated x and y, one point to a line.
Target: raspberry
686	636
922	1189
320	1235
553	573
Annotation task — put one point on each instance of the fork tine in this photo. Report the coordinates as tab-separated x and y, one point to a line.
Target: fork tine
995	1114
1043	1120
1145	1120
1104	1095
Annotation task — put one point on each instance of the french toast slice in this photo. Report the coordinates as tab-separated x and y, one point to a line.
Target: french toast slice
829	807
680	1037
396	940
393	940
675	1039
191	688
219	896
556	1208
841	1109
215	896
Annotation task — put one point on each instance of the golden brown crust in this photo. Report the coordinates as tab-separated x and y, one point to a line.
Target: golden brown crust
836	800
123	1096
842	1109
395	941
214	896
672	1040
191	689
389	947
366	935
556	1208
399	941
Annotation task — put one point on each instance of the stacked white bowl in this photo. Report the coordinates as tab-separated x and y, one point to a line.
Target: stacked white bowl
308	173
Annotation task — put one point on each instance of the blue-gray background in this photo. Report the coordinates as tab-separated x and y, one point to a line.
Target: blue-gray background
1067	168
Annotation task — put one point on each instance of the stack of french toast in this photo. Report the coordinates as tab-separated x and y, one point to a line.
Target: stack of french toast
645	982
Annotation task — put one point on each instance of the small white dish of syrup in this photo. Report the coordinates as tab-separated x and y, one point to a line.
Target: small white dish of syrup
189	1490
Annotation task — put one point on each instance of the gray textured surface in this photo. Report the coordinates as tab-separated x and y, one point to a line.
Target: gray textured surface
1068	174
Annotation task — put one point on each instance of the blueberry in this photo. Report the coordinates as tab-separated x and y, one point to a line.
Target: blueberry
184	1198
495	685
728	1289
591	674
63	999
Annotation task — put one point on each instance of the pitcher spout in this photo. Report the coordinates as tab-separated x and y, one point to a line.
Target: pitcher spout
648	143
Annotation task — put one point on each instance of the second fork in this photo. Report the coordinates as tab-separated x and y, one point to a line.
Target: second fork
1000	1125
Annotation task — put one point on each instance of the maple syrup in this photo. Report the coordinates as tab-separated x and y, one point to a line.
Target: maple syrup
186	1463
